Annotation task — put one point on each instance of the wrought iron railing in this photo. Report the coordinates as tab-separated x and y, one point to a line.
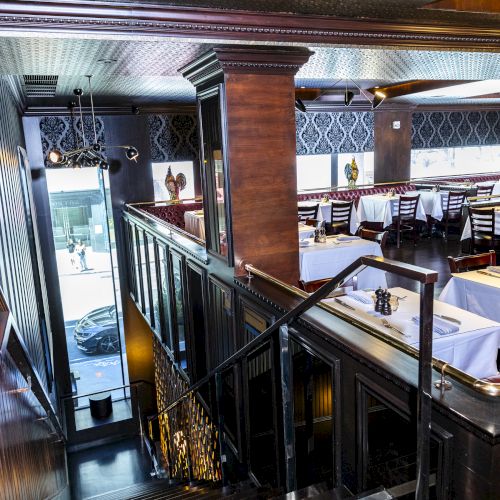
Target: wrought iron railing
173	416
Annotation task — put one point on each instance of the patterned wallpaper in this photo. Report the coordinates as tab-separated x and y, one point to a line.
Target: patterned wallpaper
173	137
59	132
324	133
441	129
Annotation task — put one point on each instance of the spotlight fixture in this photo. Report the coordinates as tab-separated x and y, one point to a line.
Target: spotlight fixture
135	110
55	156
132	153
378	99
86	155
300	105
348	97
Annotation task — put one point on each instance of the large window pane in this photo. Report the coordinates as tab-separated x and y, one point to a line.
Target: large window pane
364	161
85	252
314	172
454	161
179	167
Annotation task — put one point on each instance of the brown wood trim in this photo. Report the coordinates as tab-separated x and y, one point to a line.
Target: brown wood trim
133	18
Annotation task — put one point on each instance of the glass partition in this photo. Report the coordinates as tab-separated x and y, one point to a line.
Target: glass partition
178	280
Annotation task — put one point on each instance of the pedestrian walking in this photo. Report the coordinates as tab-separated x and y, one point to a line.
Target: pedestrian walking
80	251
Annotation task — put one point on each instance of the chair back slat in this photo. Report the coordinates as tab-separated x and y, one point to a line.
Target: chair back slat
482	221
485	190
341	212
369	234
455	201
408	207
471	262
308	212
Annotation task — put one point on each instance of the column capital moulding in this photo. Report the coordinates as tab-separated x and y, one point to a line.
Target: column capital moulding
245	59
134	18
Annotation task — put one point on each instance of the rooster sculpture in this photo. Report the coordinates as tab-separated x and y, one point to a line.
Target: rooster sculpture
174	184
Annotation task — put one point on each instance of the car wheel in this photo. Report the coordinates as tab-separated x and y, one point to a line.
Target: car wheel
108	344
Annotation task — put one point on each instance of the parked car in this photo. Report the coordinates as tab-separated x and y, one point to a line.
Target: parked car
97	331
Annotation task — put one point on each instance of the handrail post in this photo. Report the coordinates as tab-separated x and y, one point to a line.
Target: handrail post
219	397
424	396
287	408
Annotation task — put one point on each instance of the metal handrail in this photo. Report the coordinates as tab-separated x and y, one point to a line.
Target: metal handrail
132	384
310	300
171	227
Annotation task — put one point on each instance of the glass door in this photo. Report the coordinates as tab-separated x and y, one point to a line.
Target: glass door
85	250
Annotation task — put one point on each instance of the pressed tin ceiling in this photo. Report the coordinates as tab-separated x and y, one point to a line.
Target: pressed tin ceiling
402	10
145	72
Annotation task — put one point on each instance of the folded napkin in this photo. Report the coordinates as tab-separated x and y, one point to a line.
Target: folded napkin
440	326
493	269
361	296
347	238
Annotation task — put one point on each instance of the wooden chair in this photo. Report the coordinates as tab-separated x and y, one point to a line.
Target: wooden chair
482	223
485	190
452	213
312	286
312	222
341	218
406	220
369	234
308	212
471	262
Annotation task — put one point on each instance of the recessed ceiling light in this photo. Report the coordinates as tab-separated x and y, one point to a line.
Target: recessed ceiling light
106	61
302	87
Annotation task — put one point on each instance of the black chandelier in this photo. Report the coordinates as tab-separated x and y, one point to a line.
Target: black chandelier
87	155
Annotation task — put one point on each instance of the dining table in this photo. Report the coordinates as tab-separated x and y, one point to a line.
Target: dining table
432	201
381	208
325	212
465	340
475	291
194	223
326	260
305	231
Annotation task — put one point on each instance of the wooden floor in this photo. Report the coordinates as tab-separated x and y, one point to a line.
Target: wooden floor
430	253
108	468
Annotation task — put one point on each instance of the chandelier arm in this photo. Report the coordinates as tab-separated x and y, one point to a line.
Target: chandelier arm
326	90
81	120
92	108
362	91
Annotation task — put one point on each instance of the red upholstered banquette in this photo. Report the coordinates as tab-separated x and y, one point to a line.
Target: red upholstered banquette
174	214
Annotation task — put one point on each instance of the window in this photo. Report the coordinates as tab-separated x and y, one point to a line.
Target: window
160	173
365	167
314	172
454	161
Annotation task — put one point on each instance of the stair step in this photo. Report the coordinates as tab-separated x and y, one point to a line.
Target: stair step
158	489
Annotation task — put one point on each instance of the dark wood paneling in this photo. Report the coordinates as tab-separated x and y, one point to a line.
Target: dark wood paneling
16	271
33	460
130	182
261	152
392	146
223	24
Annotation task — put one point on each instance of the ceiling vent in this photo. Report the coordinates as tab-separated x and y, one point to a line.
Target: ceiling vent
40	85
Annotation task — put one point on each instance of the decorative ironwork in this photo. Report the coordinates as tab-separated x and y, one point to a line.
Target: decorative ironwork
189	440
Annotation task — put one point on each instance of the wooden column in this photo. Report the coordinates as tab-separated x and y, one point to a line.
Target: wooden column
392	146
258	126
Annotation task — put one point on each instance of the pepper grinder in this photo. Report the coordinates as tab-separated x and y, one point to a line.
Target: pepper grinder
378	294
386	304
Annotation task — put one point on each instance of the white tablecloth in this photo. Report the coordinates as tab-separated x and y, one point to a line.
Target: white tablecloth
474	292
326	260
325	212
432	201
195	223
473	349
467	232
305	231
381	208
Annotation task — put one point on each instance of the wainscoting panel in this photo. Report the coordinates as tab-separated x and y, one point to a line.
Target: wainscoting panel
16	271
